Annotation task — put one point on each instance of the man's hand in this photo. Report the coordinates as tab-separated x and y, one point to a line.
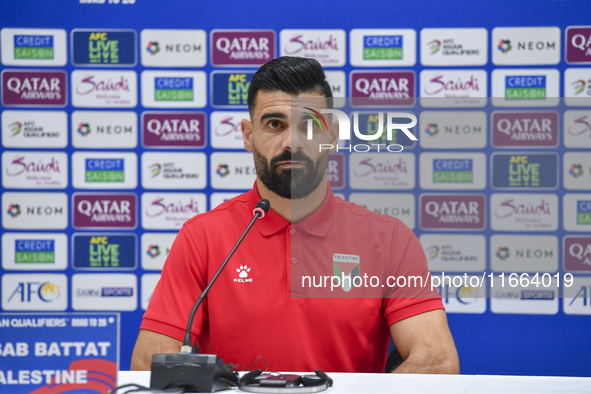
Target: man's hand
149	343
425	343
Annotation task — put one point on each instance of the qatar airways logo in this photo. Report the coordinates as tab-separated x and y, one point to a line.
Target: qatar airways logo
316	122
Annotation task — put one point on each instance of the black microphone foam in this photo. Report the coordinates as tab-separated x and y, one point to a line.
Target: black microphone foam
264	204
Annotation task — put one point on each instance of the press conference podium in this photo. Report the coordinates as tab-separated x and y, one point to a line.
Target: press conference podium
349	383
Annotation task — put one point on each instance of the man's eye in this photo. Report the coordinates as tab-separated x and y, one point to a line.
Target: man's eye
274	124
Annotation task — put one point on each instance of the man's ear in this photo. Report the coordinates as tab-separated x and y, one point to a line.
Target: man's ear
247	134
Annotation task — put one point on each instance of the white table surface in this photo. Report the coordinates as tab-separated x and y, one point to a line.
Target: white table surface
349	383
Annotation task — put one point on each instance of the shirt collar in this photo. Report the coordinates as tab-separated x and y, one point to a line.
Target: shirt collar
317	223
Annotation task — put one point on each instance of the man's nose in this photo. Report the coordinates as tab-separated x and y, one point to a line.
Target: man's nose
292	139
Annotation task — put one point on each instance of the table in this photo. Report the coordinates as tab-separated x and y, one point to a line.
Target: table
349	383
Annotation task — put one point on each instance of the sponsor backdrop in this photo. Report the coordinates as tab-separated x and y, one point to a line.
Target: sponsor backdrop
121	120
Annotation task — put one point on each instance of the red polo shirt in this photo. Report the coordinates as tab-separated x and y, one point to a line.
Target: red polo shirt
258	306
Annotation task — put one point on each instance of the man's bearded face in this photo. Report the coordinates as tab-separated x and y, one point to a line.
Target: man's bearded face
294	183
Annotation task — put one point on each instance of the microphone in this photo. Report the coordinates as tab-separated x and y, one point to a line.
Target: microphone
192	371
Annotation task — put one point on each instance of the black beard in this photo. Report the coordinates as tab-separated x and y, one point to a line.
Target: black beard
293	183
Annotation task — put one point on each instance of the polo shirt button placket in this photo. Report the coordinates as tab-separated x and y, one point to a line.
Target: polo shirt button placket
294	260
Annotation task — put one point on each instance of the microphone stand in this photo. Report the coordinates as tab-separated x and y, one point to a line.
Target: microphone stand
204	373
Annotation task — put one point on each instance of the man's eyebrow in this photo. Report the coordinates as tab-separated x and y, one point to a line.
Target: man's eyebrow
270	115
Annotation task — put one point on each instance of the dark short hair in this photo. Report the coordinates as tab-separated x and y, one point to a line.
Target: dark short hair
289	74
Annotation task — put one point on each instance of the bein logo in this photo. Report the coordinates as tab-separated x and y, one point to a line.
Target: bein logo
316	120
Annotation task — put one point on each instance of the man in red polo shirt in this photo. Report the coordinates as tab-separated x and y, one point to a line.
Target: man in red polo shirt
261	303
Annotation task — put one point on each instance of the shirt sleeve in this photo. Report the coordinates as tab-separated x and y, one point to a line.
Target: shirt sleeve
412	294
181	283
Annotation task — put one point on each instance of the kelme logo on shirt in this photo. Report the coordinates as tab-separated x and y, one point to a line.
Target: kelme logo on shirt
243	274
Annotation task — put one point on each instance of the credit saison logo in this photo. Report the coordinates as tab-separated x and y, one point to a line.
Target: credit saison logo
524	171
382	47
33	47
525	87
452	171
111	47
316	123
584	212
104	251
38	88
33	251
105	170
173	89
230	89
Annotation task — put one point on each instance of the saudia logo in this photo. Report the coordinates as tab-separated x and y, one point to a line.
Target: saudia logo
227	127
159	207
318	122
366	167
33	47
89	85
509	208
525	87
440	84
19	166
297	44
